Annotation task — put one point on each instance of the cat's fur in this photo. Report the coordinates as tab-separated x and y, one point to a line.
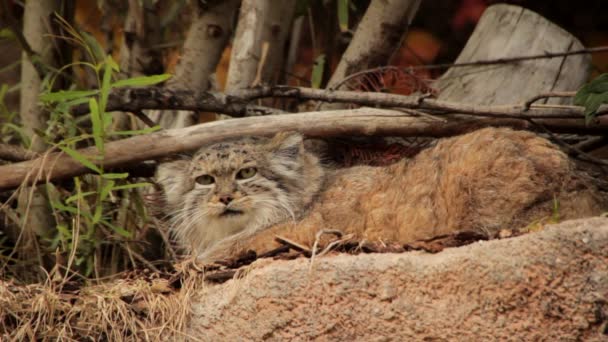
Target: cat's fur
489	179
286	180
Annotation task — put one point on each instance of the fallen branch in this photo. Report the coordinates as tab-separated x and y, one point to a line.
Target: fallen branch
363	121
16	153
236	103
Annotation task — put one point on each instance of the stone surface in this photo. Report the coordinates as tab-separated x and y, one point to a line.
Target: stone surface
548	285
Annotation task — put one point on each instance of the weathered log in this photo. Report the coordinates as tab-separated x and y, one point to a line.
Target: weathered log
510	31
364	121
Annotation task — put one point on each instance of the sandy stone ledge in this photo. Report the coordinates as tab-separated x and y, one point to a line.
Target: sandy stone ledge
550	285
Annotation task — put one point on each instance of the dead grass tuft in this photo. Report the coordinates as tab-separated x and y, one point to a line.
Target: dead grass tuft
132	308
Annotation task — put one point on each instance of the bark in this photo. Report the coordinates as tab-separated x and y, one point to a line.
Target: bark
141	31
237	103
205	41
259	44
36	26
292	51
362	122
508	31
33	207
378	36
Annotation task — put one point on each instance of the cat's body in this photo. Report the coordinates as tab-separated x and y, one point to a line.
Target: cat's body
487	180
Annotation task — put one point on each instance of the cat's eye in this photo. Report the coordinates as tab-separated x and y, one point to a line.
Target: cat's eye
247	172
204	180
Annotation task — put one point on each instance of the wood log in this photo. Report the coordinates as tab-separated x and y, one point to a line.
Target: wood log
510	31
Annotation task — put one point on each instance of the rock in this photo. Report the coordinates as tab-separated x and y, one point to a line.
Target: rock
549	285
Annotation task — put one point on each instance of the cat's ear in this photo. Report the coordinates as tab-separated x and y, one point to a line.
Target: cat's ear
287	144
173	177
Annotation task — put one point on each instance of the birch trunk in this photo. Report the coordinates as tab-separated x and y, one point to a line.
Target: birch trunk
33	207
206	39
259	45
378	36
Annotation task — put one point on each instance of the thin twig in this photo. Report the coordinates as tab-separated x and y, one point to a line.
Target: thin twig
572	149
294	245
144	118
474	63
592	143
419	114
236	103
528	103
506	60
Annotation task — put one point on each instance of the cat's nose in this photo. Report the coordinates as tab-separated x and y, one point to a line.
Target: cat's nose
226	199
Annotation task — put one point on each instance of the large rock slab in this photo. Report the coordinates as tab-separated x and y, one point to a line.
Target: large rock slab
549	285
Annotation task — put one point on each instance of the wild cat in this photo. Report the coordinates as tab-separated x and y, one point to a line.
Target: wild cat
238	195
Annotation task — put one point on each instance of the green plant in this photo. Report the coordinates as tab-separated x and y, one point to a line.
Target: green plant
98	213
592	95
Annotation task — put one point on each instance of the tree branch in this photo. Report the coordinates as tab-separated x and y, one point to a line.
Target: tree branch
236	103
16	153
363	121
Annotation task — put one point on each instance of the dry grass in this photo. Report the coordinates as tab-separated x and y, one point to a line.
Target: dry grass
143	307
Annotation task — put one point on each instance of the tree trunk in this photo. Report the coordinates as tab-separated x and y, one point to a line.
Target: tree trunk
33	207
207	37
141	31
378	36
259	44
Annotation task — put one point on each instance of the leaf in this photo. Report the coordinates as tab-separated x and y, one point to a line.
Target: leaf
69	95
142	81
103	194
592	95
593	103
19	130
599	84
136	132
105	190
317	71
106	82
96	122
132	186
79	196
119	230
96	51
80	158
61	207
343	15
115	175
7	33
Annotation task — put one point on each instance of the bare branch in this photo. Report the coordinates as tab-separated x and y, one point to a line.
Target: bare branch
236	103
16	153
528	103
363	121
507	60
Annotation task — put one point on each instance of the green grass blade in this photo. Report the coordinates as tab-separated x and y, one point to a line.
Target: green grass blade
142	81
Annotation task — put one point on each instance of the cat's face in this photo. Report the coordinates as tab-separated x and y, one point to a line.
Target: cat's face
229	186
